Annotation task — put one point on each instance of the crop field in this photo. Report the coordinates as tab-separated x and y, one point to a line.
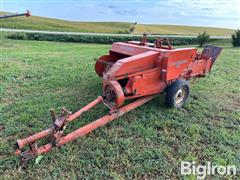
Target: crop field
148	142
42	23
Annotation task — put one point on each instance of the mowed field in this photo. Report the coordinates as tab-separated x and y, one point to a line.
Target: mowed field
148	142
42	23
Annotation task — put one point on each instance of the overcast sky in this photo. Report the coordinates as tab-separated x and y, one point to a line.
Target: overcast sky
213	13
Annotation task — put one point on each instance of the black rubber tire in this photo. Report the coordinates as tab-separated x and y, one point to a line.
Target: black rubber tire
172	91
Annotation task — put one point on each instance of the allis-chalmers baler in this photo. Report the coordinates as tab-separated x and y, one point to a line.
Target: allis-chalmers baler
131	70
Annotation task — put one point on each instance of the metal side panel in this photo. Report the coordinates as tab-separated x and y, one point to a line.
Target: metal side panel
211	52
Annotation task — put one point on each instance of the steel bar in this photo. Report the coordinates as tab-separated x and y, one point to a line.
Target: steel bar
95	124
22	142
86	108
103	120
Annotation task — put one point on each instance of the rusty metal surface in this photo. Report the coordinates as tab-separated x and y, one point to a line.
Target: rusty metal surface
211	52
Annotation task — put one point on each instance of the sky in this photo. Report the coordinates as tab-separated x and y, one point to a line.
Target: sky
211	13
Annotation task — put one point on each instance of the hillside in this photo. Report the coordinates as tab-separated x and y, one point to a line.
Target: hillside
181	30
42	23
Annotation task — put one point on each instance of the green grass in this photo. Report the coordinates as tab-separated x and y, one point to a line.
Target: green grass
148	142
42	23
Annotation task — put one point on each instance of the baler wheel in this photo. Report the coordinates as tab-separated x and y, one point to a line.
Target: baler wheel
177	94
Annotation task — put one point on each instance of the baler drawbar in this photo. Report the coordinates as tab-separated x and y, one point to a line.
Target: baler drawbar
131	70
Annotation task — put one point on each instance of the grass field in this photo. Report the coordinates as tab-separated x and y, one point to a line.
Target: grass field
41	23
148	142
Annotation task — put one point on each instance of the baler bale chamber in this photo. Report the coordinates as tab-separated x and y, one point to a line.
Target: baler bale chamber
134	70
131	71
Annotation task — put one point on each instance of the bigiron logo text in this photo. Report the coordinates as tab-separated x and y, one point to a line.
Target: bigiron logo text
201	171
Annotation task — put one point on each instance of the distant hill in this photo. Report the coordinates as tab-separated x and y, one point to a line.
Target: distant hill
50	24
181	30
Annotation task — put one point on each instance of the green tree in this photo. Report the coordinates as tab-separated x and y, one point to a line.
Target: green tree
236	38
203	38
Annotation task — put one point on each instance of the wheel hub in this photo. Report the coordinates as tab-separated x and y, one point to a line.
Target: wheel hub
113	94
180	95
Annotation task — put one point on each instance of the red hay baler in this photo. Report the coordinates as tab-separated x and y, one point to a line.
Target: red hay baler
131	70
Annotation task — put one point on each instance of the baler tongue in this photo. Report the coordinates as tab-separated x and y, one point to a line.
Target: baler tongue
55	133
